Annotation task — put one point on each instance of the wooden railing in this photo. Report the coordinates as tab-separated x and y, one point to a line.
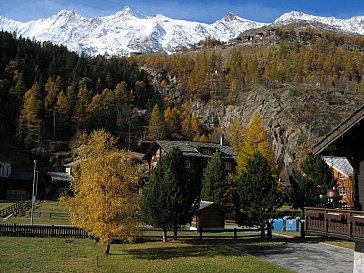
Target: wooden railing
346	224
17	207
26	230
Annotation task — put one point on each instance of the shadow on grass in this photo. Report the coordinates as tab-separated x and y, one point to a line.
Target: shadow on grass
223	247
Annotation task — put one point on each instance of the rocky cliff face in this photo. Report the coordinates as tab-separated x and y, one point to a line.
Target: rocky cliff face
296	117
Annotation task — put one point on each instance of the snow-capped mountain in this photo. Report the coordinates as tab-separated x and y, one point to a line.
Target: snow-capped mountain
125	32
354	24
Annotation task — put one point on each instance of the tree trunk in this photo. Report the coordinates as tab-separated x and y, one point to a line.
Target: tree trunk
175	232
107	249
262	232
302	223
164	235
269	230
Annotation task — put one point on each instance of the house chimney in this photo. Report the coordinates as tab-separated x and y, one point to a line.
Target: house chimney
222	139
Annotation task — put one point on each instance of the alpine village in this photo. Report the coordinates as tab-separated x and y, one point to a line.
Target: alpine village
182	160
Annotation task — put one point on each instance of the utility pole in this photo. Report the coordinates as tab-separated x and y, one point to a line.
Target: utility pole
33	192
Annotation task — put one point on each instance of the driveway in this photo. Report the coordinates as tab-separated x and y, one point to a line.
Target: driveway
305	257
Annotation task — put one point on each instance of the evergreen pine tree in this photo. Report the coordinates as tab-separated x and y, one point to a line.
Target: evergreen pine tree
167	200
310	184
214	186
257	191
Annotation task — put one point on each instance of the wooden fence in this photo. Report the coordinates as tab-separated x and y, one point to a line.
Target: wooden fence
335	223
17	207
68	231
26	230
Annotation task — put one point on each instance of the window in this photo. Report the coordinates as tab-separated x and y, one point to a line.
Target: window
227	179
343	190
206	151
187	164
227	166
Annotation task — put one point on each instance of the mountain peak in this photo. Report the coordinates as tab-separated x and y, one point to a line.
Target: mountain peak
229	16
126	12
66	13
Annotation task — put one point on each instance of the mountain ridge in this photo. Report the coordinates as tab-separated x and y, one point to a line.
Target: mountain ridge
127	32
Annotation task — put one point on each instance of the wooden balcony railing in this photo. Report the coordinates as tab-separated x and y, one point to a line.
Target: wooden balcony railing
346	224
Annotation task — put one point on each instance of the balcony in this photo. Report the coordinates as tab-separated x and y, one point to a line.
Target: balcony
344	224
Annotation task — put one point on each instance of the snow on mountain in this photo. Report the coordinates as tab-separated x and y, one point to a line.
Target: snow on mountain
127	32
354	24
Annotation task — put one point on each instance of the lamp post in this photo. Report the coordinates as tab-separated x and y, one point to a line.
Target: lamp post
33	192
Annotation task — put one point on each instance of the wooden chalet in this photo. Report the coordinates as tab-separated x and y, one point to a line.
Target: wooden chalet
347	140
196	156
344	176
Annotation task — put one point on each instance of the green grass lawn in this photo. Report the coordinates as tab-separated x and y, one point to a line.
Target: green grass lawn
45	207
81	255
4	204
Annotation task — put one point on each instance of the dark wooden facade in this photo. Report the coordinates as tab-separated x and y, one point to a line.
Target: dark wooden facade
196	156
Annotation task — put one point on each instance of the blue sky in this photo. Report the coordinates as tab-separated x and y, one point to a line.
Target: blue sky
197	10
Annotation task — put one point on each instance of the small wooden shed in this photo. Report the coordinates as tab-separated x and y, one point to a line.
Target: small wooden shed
208	216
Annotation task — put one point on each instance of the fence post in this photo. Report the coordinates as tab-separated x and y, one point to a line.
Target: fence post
235	233
200	233
350	225
326	225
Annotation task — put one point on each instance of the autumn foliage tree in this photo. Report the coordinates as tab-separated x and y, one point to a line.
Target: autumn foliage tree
103	201
255	140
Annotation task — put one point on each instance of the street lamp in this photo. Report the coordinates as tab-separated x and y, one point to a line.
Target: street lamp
33	192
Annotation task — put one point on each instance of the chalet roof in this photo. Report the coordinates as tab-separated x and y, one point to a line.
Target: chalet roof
353	120
60	176
341	164
193	148
205	204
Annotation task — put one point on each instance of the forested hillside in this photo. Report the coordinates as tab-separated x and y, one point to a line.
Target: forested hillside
49	93
302	83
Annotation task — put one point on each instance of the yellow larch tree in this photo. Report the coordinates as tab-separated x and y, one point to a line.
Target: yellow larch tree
104	200
235	134
256	139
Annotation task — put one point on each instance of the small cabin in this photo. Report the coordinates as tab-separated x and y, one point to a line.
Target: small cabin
208	216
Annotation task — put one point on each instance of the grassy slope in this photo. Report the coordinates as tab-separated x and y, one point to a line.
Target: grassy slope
64	255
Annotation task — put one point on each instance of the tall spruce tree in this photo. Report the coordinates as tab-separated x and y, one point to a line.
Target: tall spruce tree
309	185
214	186
168	198
257	191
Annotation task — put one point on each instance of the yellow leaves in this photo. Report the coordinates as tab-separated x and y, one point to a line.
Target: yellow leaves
103	200
235	134
256	139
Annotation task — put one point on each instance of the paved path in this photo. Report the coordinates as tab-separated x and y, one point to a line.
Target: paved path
305	257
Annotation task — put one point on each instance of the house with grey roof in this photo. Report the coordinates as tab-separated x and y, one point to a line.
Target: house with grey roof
196	156
344	175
